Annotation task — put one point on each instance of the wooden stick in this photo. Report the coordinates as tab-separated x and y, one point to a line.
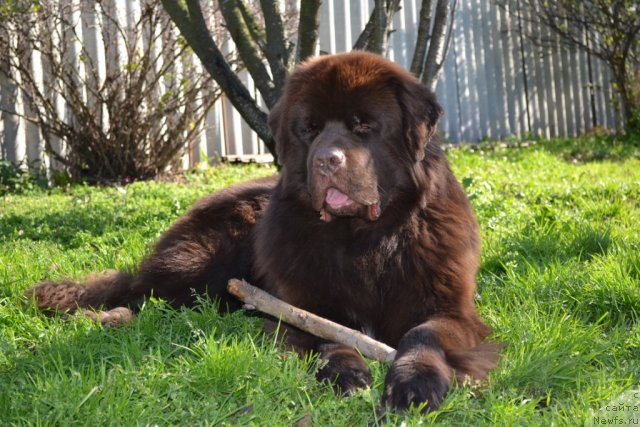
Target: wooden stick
309	322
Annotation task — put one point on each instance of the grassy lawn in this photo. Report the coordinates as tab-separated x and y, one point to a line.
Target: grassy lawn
560	284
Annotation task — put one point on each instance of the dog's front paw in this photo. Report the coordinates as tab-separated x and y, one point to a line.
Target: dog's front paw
345	380
411	383
345	369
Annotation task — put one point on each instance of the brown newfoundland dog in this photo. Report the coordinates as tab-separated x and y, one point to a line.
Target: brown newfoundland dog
365	226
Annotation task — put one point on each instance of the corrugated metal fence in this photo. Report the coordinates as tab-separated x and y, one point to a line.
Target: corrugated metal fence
496	82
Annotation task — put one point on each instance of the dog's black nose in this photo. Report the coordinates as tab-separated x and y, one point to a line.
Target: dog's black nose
329	160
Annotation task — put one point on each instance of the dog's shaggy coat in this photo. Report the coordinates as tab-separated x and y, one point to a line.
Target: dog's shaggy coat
366	226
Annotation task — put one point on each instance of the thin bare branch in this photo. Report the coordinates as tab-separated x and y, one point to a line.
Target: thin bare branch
258	299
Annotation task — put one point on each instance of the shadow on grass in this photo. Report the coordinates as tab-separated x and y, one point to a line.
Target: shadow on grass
71	228
580	271
540	246
59	227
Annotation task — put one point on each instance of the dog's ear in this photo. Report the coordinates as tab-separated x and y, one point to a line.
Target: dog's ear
421	114
278	128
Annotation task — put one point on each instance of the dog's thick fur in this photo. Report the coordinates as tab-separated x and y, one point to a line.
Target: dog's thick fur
366	226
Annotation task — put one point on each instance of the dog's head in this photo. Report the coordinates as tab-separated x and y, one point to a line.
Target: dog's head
349	131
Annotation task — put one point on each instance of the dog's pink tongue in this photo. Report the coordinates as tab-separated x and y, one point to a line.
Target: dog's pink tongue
336	198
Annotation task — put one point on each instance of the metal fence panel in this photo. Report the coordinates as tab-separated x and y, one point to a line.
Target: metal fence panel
496	81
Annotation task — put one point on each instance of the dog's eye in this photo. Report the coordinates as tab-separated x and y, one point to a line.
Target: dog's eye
309	130
360	126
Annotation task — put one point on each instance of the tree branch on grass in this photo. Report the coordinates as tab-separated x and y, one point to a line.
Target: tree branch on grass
258	299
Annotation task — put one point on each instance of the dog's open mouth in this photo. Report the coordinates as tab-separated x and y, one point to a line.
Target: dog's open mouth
337	203
336	199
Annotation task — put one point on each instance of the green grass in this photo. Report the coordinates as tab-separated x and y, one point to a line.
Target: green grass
559	283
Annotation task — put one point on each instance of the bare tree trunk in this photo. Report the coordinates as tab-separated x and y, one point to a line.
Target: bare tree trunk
439	43
620	78
420	50
191	24
375	36
248	50
254	46
277	49
378	41
308	29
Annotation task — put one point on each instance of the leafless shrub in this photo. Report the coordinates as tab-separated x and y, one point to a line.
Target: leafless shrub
114	95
